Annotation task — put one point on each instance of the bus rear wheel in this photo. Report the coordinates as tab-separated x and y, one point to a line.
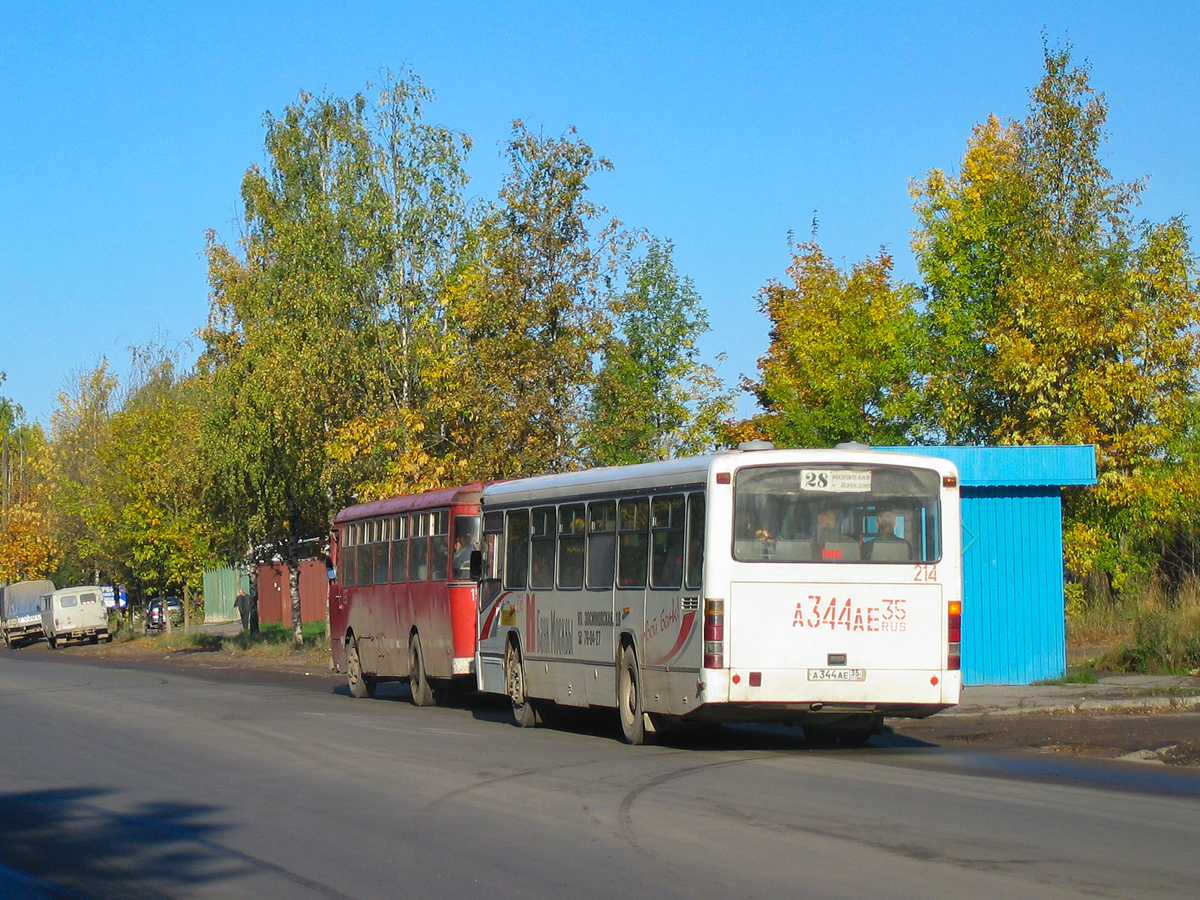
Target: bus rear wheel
514	683
629	697
418	681
360	685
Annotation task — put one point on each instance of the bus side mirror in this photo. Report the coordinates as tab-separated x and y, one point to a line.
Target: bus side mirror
331	571
476	565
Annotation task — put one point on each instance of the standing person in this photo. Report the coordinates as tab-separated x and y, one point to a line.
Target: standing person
242	605
254	608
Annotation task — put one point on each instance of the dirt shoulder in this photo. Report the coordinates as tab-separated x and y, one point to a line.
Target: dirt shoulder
1163	737
1144	719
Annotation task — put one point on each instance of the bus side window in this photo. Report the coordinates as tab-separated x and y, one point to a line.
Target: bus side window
601	544
633	539
542	534
516	549
418	546
493	545
366	565
571	530
695	541
399	549
439	545
383	529
349	551
666	550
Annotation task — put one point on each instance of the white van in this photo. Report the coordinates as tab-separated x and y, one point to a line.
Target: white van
75	614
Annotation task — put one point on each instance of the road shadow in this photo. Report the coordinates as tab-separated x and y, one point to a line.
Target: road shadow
65	837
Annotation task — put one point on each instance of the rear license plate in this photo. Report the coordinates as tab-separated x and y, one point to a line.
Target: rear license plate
837	674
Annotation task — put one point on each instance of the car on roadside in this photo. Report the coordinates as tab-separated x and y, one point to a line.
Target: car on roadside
154	613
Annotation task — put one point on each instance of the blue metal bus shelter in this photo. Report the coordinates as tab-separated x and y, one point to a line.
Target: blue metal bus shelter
1013	623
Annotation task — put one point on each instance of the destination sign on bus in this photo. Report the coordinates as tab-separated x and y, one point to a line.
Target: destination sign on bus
835	481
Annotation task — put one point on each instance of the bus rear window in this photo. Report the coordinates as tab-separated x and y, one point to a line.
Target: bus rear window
837	514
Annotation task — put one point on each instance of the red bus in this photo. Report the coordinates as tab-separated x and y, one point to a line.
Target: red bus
401	602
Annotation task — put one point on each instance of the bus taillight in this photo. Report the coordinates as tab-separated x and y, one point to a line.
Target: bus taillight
954	636
714	634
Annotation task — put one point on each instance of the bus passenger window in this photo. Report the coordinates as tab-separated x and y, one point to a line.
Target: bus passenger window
347	555
439	544
633	542
399	549
695	541
542	533
366	562
382	533
601	544
418	547
516	549
570	546
666	552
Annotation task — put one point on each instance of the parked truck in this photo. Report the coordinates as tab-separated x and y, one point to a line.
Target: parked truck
20	611
75	614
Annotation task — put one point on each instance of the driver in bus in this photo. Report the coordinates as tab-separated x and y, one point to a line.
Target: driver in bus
462	555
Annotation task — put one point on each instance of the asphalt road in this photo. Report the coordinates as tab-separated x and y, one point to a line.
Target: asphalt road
132	782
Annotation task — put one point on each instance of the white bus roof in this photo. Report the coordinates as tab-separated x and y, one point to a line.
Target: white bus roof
692	470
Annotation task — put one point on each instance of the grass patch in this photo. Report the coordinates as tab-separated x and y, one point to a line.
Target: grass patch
1073	676
1152	633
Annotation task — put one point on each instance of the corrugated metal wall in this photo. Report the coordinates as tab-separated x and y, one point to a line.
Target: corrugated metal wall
1013	623
275	594
220	589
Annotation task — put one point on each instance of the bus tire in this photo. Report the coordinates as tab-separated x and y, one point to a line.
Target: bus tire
629	697
361	686
418	681
524	714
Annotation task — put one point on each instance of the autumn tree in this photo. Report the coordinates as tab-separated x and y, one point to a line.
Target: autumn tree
840	363
1054	316
81	496
156	477
653	397
526	313
28	550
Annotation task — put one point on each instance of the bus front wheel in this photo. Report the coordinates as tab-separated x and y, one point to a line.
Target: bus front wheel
629	697
418	681
514	683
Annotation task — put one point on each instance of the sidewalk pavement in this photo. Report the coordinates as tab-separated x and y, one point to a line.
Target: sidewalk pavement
1113	693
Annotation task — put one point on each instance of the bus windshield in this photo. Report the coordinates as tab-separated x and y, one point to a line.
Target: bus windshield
830	513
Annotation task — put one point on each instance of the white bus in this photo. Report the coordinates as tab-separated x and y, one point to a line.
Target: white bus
820	588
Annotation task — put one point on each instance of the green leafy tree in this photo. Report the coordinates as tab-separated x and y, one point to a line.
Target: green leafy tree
840	363
1054	316
653	398
153	457
317	330
82	496
526	313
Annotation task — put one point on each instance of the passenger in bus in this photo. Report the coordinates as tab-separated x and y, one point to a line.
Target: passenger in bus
886	545
828	534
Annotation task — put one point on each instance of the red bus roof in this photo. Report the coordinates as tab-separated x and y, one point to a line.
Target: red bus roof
467	493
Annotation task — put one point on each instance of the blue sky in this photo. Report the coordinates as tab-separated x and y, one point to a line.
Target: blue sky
127	128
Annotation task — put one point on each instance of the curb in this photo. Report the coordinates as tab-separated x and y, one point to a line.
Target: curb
1132	704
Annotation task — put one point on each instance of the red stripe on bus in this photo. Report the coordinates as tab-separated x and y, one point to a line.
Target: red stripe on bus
685	631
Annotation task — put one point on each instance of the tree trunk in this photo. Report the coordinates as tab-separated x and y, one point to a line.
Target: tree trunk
294	585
